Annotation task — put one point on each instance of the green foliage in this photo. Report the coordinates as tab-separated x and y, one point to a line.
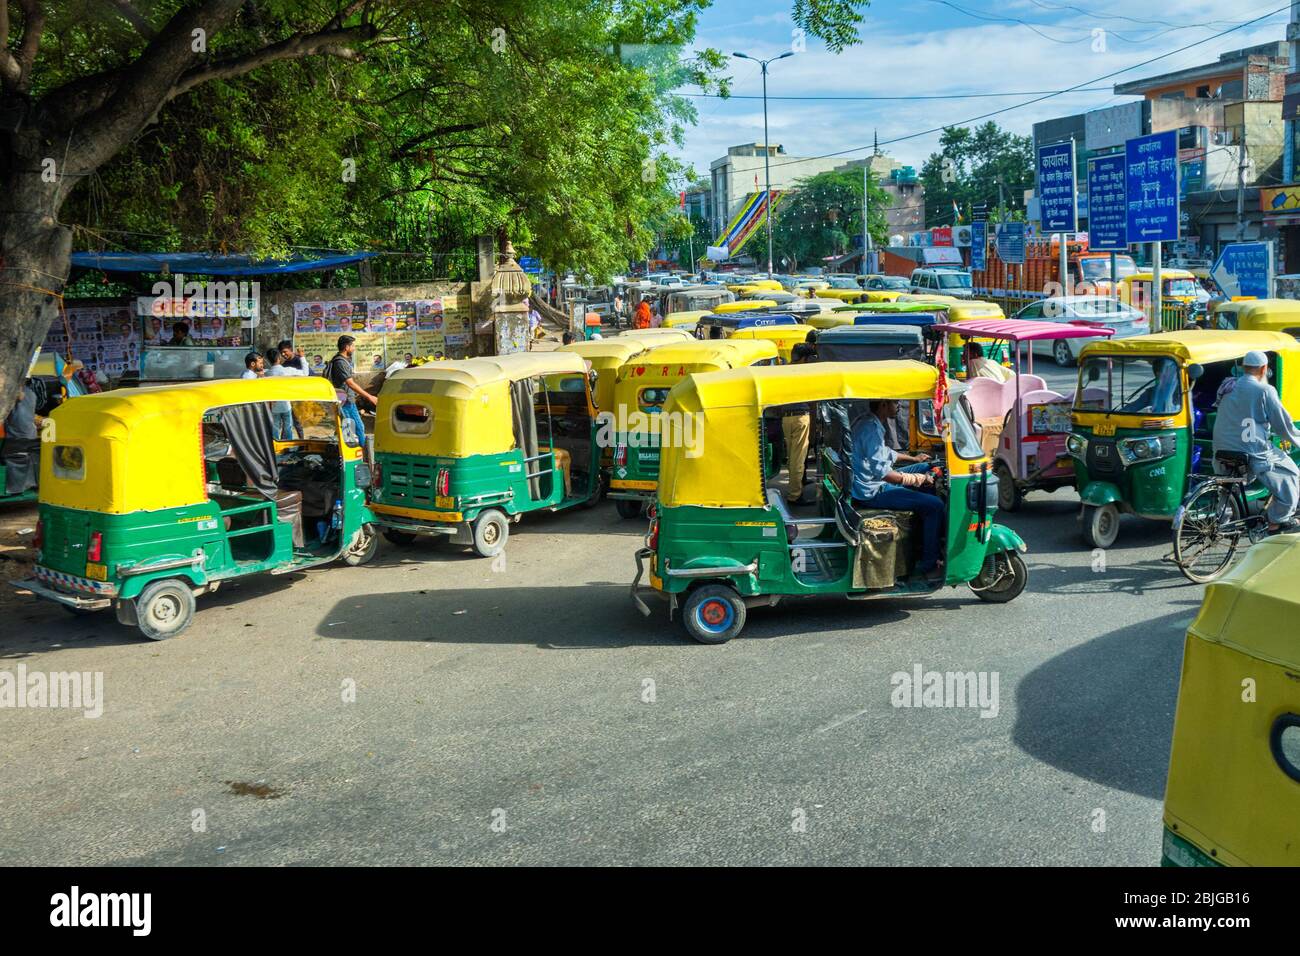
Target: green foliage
823	217
968	168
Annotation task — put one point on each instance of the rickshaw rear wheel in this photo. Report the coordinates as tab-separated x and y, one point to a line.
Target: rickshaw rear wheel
1006	582
164	609
1100	525
490	532
402	539
1009	497
628	507
713	614
364	548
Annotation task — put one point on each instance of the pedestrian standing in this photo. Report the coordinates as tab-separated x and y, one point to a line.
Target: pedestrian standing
254	365
282	422
342	376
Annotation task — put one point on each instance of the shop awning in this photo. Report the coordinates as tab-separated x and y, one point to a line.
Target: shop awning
203	263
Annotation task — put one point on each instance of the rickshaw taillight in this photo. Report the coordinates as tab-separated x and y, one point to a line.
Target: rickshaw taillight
96	549
652	540
444	481
620	454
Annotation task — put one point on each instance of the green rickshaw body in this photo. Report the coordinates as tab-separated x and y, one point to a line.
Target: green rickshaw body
716	522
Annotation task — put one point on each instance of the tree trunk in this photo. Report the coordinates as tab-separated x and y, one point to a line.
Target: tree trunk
34	258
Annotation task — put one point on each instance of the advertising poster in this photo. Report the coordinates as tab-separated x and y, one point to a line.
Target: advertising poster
104	338
390	317
386	331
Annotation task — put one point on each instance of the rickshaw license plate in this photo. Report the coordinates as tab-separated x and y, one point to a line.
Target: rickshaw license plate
1104	428
442	501
97	572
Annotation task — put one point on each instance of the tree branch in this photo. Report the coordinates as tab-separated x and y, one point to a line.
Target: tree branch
133	16
330	41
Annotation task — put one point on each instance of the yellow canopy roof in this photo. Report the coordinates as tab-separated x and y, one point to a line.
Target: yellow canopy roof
720	353
709	426
748	305
655	335
1201	346
479	372
613	348
142	446
1250	607
1147	275
773	333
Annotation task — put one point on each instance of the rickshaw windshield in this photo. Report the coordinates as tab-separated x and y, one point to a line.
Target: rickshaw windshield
1131	385
965	439
1182	287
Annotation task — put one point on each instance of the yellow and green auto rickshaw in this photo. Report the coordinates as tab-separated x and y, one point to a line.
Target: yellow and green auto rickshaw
1258	315
1142	423
605	358
745	305
1233	794
653	337
722	538
152	496
784	337
464	448
639	393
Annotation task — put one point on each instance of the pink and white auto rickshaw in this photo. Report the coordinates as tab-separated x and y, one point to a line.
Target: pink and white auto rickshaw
1024	424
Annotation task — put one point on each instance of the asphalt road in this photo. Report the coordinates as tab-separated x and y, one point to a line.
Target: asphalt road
528	714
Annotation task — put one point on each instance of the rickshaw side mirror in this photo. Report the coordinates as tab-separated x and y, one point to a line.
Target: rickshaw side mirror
1194	372
1094	373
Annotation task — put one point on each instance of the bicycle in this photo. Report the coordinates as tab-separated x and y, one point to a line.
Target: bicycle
1214	517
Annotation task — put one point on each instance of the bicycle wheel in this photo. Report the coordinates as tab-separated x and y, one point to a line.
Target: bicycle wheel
1207	532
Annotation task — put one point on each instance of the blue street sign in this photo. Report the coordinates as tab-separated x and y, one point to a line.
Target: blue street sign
1245	269
1152	187
530	264
1107	204
1011	243
1057	209
979	244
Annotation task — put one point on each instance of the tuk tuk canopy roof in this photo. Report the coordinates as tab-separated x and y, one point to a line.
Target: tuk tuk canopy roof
1248	609
901	334
775	333
1025	330
718	464
1280	313
479	372
744	320
141	446
1195	346
655	335
612	349
719	353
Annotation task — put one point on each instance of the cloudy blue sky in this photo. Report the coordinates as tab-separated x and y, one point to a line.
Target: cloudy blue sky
935	47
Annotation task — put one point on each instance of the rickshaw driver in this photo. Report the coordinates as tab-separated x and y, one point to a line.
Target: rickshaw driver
1247	414
878	483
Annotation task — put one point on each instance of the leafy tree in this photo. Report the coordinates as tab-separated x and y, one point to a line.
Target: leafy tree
968	167
822	216
263	125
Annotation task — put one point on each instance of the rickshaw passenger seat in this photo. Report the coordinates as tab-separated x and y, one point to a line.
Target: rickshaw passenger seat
288	509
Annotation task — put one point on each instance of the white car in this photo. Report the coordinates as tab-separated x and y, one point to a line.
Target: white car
941	281
1112	313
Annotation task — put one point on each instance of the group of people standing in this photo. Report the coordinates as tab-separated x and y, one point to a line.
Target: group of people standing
286	361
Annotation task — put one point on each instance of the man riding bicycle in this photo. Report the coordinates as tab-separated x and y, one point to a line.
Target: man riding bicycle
1248	415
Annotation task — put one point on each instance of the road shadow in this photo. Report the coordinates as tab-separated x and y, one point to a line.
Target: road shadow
1104	711
581	617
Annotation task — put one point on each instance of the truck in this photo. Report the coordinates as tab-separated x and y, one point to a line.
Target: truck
1040	274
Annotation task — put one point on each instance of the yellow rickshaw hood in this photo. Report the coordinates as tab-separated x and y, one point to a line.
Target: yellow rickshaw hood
1199	346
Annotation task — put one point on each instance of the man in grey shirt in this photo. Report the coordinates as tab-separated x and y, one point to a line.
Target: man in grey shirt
1249	414
22	446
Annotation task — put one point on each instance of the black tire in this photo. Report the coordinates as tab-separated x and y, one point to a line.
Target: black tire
1100	525
1201	551
1013	578
403	539
713	614
1062	355
164	609
364	548
491	529
628	507
1009	496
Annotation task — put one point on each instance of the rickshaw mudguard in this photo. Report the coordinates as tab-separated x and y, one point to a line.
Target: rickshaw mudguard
1098	493
1002	538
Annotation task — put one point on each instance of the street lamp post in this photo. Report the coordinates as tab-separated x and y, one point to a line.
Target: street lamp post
767	172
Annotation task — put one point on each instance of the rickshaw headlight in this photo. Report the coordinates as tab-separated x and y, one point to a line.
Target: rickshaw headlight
1134	450
1076	445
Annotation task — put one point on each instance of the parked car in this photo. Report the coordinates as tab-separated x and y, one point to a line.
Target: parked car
883	283
954	282
1120	316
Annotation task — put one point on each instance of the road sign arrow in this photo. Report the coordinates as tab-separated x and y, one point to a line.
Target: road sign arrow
1227	281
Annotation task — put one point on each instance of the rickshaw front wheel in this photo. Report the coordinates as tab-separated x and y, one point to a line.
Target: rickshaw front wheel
400	538
364	548
713	614
164	609
1001	579
1100	525
490	532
